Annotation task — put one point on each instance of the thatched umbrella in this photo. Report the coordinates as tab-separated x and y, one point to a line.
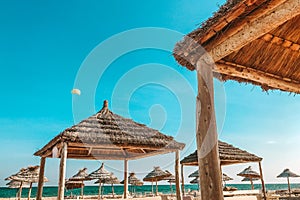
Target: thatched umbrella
288	174
195	174
101	174
154	176
225	178
77	180
249	173
170	179
133	181
111	180
16	184
196	180
29	175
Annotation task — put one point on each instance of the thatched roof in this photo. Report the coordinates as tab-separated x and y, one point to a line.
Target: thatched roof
29	175
70	185
225	177
195	181
194	174
133	180
100	174
111	179
156	174
248	179
228	155
170	178
249	172
81	175
16	184
252	41
109	136
287	173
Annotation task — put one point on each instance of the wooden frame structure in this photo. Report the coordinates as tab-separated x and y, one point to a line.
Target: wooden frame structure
229	155
106	136
252	41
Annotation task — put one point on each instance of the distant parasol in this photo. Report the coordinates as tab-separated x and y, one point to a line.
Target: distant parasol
76	91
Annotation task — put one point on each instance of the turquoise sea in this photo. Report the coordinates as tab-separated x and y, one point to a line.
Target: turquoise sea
93	190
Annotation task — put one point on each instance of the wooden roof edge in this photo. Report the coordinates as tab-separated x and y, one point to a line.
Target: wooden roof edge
48	146
185	52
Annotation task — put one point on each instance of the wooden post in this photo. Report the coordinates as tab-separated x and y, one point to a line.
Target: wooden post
177	172
82	186
39	194
182	181
207	137
29	191
99	190
288	179
125	178
20	191
262	181
156	188
62	172
251	182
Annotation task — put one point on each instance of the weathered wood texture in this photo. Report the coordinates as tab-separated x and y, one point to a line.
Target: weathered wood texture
177	175
262	181
39	194
125	179
207	138
62	171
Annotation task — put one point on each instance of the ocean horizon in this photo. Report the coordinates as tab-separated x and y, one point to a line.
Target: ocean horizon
51	191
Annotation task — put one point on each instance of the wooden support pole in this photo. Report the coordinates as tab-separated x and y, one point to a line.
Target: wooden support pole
99	190
207	137
156	188
62	172
288	179
177	175
29	191
81	192
125	178
20	191
182	181
251	182
39	194
262	181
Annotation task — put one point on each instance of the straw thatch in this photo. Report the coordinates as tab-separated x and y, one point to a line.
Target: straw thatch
109	136
81	175
29	175
248	179
133	180
287	173
156	175
171	177
225	177
249	172
194	174
195	181
70	185
16	184
228	155
100	174
268	59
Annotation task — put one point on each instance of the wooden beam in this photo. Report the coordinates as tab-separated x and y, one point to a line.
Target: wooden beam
288	44
153	153
62	172
90	150
262	181
257	76
39	194
125	178
29	191
207	137
253	30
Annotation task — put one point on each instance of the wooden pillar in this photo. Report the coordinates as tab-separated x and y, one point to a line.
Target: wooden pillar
20	190
39	194
262	181
156	188
81	192
288	180
207	137
125	178
182	181
251	182
29	191
62	172
99	190
177	175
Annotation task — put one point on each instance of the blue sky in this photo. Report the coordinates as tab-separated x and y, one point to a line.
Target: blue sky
43	45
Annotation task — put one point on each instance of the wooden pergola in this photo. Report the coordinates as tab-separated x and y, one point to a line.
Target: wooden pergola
107	136
252	41
229	155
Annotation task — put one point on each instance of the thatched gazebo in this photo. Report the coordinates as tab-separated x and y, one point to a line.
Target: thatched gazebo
112	179
106	136
228	155
251	41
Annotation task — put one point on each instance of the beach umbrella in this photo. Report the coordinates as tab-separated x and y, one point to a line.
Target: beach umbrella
288	174
77	180
249	173
101	174
195	174
154	176
27	175
170	179
133	180
16	184
225	178
111	180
